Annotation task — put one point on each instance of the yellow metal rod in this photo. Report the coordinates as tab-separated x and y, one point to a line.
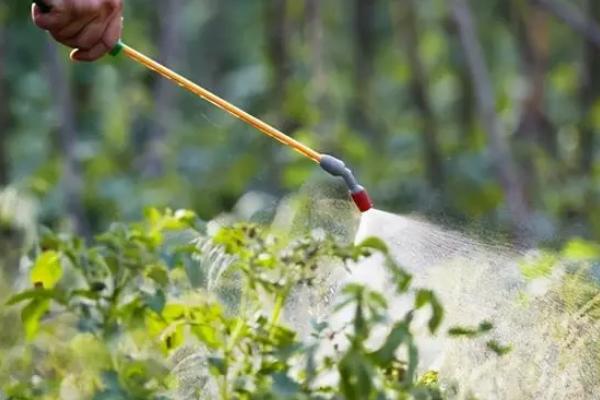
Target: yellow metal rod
221	103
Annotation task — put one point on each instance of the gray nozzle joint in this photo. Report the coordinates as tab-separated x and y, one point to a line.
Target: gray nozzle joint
336	167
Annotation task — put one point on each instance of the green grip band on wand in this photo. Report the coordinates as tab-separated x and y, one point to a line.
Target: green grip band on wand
115	51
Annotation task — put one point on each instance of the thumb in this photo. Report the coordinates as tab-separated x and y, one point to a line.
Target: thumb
47	14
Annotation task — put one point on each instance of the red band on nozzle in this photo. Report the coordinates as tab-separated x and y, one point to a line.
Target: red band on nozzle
362	200
336	167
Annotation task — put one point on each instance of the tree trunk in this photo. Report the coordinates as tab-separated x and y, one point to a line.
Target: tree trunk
406	21
534	130
320	101
499	149
465	107
364	54
4	173
578	21
467	112
278	32
590	95
534	43
66	131
314	29
164	92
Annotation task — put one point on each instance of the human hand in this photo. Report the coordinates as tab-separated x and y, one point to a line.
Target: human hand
91	27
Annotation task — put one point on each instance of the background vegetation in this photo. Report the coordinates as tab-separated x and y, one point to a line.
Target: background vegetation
481	111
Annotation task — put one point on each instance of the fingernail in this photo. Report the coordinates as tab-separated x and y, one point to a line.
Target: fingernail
73	55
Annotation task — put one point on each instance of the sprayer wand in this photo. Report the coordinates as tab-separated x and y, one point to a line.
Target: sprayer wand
215	100
330	164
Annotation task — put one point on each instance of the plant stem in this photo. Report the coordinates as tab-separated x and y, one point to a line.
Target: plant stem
279	301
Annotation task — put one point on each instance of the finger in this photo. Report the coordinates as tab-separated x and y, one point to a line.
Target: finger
73	30
113	31
97	51
51	20
90	35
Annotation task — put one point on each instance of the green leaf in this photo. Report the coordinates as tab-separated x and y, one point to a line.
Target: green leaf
424	297
217	366
356	376
38	294
413	362
319	327
438	314
97	286
159	275
47	270
581	250
153	215
172	338
156	302
186	217
174	311
284	386
207	335
111	387
31	315
387	353
498	348
233	239
377	301
135	376
86	294
155	324
375	244
540	267
462	331
484	327
402	279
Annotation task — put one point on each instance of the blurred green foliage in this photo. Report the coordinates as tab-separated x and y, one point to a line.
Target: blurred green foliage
326	66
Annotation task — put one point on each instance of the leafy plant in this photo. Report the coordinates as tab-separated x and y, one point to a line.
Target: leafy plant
109	319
